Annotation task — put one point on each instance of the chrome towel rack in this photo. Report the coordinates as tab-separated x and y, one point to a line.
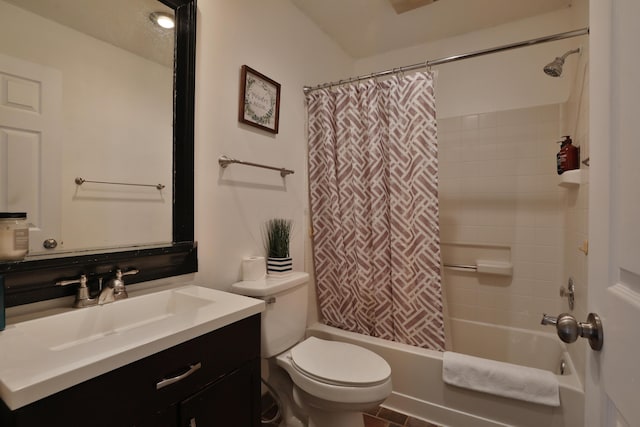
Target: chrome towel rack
80	181
225	161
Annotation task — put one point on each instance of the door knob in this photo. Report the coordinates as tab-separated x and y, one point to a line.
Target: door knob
50	244
569	329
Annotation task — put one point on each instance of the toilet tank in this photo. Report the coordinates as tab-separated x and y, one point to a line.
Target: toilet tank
284	320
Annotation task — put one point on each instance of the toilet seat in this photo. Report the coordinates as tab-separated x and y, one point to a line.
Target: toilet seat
339	363
371	390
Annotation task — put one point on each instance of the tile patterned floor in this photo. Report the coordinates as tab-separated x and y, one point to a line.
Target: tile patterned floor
378	417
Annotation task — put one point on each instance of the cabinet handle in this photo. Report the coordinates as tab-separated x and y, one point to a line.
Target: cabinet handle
168	381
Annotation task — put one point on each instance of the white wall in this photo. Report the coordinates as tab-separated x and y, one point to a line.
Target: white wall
231	205
576	211
103	88
497	82
600	227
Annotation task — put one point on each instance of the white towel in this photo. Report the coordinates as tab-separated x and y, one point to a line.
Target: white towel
500	378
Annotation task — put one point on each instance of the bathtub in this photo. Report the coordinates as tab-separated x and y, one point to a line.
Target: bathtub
418	389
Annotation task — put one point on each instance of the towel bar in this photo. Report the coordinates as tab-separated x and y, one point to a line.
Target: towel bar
80	181
225	161
485	267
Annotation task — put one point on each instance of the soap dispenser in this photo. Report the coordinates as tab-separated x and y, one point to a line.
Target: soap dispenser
568	158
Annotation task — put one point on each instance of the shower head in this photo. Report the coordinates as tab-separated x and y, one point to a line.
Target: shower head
554	68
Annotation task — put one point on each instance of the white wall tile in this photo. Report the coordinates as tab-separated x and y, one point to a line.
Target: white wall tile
470	122
493	300
460	311
499	186
550	236
451	124
487	120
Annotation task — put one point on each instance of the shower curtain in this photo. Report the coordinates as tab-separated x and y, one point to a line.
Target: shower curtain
374	208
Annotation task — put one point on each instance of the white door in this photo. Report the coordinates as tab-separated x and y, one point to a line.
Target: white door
30	103
613	375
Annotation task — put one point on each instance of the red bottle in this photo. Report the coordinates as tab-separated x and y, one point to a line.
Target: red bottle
568	158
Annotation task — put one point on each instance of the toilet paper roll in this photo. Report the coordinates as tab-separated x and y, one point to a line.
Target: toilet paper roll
253	268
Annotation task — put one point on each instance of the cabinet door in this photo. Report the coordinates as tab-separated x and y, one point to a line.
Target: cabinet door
232	401
165	418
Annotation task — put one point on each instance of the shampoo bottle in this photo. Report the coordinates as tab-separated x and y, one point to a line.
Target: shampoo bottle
568	158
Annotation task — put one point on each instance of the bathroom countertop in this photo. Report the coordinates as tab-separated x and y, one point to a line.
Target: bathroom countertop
43	356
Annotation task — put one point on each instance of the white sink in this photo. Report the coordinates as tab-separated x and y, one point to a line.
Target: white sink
43	356
83	326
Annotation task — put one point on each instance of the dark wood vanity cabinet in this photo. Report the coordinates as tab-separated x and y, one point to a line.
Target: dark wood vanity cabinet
224	390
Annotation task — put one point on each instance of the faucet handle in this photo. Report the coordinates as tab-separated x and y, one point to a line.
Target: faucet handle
83	299
127	273
117	283
569	292
82	280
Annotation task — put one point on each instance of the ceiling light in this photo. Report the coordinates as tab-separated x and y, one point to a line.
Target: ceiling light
162	19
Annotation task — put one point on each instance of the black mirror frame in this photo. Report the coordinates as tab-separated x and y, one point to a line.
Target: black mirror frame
34	280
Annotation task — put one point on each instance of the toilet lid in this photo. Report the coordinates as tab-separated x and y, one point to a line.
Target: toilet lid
339	363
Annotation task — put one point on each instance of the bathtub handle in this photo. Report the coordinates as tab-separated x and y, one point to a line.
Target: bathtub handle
569	329
569	292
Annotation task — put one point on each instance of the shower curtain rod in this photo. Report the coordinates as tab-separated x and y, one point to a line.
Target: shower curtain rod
426	64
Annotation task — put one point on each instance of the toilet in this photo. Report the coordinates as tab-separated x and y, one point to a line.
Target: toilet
319	383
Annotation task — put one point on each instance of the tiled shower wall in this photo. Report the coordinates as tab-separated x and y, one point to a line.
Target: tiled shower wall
499	190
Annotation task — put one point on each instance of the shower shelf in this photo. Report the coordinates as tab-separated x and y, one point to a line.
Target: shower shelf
574	178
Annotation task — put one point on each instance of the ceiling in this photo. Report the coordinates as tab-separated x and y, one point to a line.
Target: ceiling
122	23
361	27
369	27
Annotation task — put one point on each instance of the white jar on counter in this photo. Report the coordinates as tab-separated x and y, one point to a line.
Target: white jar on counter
14	236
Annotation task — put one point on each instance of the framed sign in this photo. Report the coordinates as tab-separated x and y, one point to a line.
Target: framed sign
259	100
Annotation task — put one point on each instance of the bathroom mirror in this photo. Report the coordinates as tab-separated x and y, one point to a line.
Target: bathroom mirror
174	252
87	93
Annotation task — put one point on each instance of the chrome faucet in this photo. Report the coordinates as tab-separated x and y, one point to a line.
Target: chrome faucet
569	329
112	291
549	320
115	289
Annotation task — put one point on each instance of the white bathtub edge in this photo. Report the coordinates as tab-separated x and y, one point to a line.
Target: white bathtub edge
450	406
442	416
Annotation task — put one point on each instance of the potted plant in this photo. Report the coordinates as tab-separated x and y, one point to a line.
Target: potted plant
277	235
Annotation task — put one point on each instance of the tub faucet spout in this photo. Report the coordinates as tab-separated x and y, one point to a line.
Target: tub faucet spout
549	320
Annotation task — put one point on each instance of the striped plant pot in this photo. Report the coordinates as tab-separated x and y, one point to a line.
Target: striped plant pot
279	266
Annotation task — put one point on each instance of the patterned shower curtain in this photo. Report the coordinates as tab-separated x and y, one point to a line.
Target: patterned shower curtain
374	198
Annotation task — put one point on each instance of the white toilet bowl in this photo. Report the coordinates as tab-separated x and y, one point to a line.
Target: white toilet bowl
334	381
